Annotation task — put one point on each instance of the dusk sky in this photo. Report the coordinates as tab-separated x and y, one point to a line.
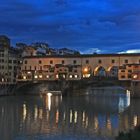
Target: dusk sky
102	26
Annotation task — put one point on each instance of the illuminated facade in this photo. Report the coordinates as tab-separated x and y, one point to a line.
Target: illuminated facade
129	72
75	67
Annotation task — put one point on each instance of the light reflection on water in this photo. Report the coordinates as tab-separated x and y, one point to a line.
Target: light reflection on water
100	115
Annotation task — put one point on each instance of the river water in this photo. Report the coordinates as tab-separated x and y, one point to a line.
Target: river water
100	114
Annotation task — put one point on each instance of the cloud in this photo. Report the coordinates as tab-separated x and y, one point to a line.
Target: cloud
91	51
108	25
130	51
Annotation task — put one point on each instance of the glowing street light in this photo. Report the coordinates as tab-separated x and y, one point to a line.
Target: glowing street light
85	69
35	76
135	76
40	76
24	77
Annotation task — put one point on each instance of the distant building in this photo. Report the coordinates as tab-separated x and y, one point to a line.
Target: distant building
8	61
4	41
29	51
66	51
51	51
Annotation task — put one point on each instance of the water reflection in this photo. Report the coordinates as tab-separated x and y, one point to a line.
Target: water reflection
54	117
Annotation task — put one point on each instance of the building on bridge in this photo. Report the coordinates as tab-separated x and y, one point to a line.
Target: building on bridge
74	67
129	72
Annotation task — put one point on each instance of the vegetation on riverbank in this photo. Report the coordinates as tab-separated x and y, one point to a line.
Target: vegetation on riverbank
131	135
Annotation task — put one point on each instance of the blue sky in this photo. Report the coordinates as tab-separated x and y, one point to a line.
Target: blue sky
102	26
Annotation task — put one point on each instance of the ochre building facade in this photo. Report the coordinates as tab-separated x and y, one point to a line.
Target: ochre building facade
37	68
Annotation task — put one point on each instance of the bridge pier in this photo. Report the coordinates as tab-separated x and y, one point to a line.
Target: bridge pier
135	89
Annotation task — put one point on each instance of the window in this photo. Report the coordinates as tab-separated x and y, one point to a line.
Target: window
74	61
126	61
35	67
40	67
15	68
14	61
75	71
10	61
113	61
10	67
63	61
129	75
51	62
87	61
100	61
40	61
25	62
129	70
70	69
122	76
122	70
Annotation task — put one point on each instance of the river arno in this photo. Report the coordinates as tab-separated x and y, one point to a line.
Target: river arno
100	115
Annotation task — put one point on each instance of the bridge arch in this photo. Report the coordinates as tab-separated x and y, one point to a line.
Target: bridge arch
100	71
113	71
